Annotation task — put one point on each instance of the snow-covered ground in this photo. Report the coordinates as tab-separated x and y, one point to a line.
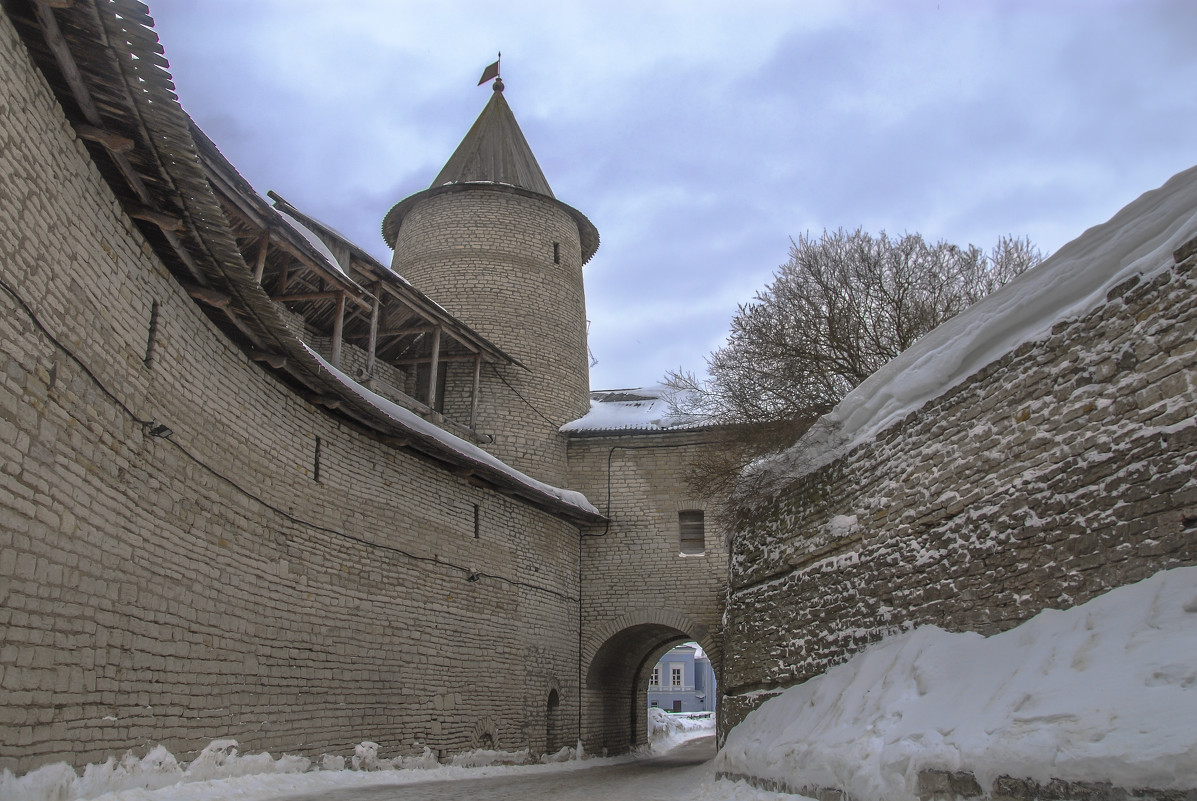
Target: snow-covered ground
220	773
667	730
1105	691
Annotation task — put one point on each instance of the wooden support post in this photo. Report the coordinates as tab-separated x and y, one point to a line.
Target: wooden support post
114	142
474	391
260	264
434	367
167	222
208	295
338	326
375	313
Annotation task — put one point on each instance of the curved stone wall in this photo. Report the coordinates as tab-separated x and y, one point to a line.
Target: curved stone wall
266	571
1066	468
509	264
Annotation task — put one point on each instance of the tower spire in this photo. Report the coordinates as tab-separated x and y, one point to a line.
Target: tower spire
495	151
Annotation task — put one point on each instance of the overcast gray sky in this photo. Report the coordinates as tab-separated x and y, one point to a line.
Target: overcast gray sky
700	136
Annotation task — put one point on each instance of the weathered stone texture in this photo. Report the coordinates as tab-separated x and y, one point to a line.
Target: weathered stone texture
1056	473
640	594
205	585
487	252
937	785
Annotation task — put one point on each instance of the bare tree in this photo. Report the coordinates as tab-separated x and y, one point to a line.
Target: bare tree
841	307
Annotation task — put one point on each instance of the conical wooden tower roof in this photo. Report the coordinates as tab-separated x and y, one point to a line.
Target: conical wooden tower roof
495	151
493	156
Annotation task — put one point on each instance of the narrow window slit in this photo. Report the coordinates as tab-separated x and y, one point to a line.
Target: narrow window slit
477	520
316	461
151	343
556	253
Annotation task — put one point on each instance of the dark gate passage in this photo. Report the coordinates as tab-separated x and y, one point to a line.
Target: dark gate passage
617	683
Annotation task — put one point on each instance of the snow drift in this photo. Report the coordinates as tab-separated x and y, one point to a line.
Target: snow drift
1105	691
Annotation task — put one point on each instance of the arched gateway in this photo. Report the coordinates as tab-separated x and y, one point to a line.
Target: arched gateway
619	659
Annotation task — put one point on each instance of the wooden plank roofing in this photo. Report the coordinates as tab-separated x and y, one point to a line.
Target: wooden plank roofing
495	151
364	267
494	156
104	63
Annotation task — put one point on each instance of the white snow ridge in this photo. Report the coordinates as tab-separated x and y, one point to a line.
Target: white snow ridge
1105	691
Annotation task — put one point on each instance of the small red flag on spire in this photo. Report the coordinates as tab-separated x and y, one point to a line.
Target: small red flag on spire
490	72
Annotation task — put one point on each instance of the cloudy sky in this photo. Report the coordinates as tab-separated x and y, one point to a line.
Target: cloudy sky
700	136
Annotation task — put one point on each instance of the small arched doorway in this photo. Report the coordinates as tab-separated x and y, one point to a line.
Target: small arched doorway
553	735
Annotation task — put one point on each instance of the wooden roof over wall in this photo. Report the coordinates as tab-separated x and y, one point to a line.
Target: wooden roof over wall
105	65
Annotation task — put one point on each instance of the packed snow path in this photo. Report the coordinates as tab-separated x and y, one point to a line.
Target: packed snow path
676	774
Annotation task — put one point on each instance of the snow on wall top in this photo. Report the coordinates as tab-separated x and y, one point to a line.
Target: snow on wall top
642	409
1139	239
413	421
313	240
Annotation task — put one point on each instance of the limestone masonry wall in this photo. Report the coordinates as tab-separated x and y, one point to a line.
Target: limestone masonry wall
487	252
1064	469
210	583
640	481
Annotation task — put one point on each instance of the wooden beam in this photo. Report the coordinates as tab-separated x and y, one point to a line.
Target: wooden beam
323	400
275	360
436	354
115	143
167	222
208	295
260	262
465	357
308	296
372	348
338	330
324	273
403	331
66	63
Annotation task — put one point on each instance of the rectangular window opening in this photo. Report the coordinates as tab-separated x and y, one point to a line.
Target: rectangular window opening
477	521
691	531
556	253
316	462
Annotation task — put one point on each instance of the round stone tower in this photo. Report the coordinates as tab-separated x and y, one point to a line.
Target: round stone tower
489	242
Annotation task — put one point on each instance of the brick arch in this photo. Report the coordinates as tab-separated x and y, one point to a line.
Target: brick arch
660	616
617	657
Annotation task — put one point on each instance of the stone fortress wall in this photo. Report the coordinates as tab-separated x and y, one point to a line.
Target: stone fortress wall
271	572
1062	470
209	583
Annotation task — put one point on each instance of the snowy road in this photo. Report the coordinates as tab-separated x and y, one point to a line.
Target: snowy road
672	776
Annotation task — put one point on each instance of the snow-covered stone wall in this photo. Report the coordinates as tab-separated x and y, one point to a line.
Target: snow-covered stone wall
1064	468
210	583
